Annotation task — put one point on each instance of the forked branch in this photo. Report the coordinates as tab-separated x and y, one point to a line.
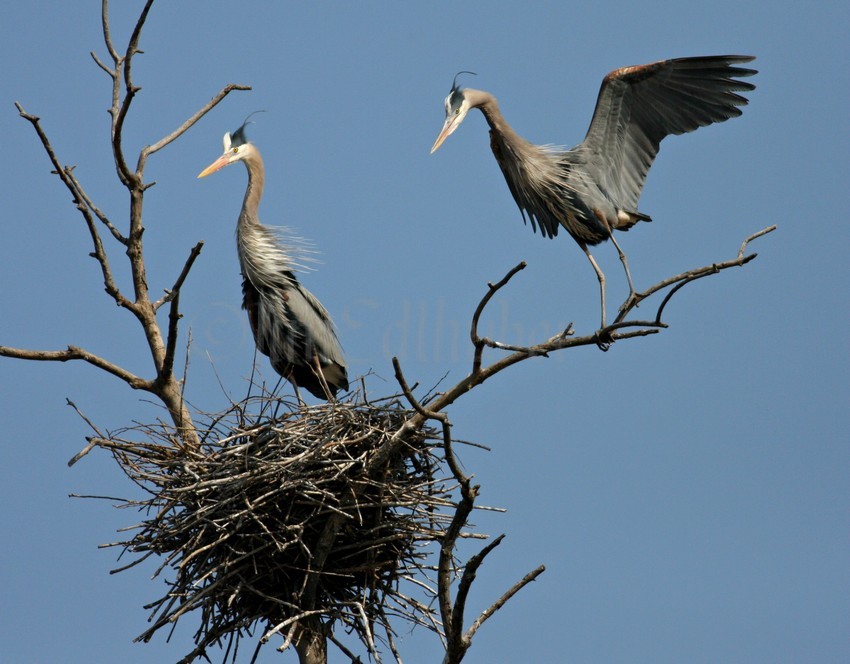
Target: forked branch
458	641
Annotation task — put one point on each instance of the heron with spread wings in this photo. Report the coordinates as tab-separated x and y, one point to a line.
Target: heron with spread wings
290	325
593	189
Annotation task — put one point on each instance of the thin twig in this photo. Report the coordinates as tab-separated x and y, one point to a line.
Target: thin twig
763	231
418	407
98	213
107	37
65	175
131	180
174	316
498	604
477	342
680	280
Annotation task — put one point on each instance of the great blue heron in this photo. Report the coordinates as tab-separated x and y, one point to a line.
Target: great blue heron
289	324
593	189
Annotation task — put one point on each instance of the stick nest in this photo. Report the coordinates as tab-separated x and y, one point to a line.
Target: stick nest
275	518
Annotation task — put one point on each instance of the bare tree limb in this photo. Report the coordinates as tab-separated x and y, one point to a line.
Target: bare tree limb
758	234
610	334
92	441
100	63
470	571
354	658
76	353
85	419
174	317
452	612
418	407
286	623
133	44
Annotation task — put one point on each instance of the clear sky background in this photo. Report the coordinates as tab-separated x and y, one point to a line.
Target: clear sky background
688	492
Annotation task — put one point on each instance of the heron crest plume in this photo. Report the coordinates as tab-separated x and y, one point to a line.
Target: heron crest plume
238	137
454	82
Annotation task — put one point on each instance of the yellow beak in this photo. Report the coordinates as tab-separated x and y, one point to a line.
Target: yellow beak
448	128
217	165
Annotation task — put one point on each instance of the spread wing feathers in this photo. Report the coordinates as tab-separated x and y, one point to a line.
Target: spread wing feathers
295	331
638	106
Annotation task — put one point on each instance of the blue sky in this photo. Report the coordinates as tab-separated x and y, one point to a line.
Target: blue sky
687	492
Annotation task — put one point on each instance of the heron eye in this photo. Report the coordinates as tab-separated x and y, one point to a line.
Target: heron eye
457	111
235	150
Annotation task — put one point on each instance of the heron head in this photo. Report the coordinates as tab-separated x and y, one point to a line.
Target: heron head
236	148
457	106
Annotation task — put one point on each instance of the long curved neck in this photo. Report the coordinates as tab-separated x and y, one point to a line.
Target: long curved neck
254	192
261	256
487	104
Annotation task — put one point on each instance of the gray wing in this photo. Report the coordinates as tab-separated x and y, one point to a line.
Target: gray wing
316	324
638	106
292	327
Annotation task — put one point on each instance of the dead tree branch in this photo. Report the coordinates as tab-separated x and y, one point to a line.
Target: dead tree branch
76	353
452	612
188	124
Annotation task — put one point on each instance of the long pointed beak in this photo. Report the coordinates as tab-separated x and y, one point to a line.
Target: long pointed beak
448	128
217	165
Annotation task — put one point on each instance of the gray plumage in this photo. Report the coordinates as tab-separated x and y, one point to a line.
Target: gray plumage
593	189
289	324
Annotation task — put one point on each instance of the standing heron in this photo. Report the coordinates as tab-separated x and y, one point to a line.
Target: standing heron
593	189
290	325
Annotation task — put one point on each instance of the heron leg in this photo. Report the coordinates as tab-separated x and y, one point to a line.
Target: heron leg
316	366
301	401
632	292
599	276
